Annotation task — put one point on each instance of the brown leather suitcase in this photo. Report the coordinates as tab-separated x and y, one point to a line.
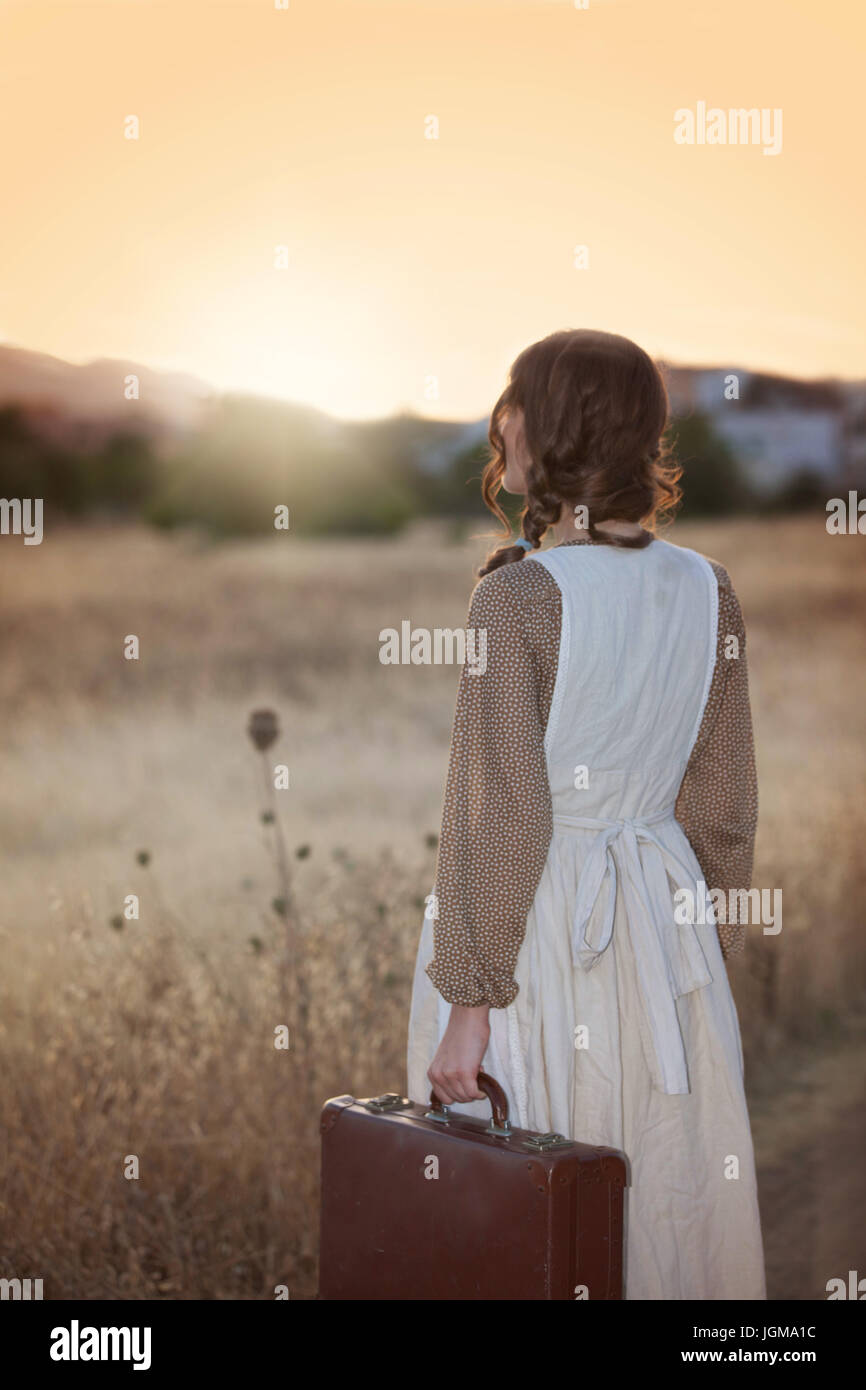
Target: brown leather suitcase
511	1214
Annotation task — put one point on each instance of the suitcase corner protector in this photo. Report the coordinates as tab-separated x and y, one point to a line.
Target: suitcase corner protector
333	1109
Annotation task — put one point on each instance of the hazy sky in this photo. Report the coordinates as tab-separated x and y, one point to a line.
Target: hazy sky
411	258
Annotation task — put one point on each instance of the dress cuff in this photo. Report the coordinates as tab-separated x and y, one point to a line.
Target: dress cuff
473	986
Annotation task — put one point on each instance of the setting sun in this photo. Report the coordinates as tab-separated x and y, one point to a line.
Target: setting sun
429	171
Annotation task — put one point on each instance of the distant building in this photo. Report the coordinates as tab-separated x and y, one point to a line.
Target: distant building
776	427
775	445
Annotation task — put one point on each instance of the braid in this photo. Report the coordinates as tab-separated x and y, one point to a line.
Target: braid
542	510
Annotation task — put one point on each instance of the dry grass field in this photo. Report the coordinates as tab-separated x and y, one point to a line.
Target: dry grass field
154	1037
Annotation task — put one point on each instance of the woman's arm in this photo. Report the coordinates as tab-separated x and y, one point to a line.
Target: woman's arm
497	816
717	804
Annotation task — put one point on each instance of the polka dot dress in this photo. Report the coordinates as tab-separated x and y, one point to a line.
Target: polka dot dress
497	814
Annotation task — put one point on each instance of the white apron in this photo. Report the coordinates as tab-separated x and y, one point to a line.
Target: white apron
624	1031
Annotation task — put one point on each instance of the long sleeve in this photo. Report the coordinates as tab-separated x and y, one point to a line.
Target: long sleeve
497	816
717	804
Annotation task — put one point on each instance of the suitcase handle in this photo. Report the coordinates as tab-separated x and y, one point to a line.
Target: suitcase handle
500	1123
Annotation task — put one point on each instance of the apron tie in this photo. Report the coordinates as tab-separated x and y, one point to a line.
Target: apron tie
629	857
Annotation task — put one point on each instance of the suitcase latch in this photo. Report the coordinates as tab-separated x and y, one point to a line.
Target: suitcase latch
548	1141
442	1117
390	1101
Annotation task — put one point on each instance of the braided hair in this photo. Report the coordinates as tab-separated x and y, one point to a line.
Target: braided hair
595	411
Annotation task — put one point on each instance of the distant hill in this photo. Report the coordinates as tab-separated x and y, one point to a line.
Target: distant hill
85	403
91	394
777	430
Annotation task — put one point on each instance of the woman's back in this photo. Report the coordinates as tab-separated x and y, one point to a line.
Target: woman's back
636	660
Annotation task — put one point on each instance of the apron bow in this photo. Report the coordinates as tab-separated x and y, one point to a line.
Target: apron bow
670	961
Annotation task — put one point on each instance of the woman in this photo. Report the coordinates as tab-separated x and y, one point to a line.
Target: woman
601	782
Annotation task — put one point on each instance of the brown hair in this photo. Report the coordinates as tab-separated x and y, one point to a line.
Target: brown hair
595	410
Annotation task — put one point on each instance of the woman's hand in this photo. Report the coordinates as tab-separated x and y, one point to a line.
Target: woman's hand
459	1055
